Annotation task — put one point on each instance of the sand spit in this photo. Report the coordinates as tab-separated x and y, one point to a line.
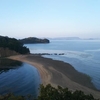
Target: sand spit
59	73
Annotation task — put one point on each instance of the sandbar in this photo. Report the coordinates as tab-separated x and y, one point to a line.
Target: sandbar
56	73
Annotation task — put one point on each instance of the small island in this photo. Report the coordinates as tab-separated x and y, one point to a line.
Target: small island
31	40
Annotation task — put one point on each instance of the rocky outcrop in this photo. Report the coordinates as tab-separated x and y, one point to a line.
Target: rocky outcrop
5	52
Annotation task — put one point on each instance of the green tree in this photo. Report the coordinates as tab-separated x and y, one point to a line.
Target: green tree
50	93
13	44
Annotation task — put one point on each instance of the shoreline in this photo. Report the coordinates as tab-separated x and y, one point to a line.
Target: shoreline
56	73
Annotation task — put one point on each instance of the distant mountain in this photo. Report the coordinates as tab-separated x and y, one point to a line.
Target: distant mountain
66	38
73	38
91	39
30	40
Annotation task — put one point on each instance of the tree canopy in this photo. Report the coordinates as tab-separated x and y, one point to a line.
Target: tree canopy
33	40
50	93
13	44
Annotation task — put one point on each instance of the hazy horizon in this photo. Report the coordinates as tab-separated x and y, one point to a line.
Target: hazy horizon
12	36
50	18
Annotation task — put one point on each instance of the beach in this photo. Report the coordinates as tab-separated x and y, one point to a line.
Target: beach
59	73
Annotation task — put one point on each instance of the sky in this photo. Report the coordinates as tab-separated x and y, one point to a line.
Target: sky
50	18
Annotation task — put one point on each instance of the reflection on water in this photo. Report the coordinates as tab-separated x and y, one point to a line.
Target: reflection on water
18	78
7	64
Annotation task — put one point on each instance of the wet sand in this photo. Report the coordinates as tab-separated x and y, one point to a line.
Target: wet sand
59	73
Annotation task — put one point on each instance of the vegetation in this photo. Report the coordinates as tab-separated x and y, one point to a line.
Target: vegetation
8	63
33	40
13	44
50	93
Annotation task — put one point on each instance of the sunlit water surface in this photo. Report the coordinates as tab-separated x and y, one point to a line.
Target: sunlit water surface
83	55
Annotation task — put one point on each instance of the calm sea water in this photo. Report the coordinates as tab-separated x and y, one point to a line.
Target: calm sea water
18	78
83	55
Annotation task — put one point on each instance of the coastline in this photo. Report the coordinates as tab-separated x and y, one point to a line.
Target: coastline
59	73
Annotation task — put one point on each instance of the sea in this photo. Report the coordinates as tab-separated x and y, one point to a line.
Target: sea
83	55
23	79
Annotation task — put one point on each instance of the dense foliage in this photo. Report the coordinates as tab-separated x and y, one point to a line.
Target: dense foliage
50	93
13	44
33	40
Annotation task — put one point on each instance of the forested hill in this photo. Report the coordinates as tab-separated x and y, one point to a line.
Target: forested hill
12	44
30	40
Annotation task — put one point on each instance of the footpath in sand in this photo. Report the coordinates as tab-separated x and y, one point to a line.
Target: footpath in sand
59	73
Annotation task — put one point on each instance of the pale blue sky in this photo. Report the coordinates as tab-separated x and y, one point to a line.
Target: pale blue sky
50	18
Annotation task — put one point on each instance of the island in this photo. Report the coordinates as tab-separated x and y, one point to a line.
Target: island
31	40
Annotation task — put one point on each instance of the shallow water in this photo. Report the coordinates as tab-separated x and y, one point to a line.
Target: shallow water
83	55
18	78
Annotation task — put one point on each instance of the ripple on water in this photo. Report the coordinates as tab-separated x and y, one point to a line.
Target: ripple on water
22	80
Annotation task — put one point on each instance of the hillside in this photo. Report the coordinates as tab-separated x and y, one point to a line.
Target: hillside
30	40
11	46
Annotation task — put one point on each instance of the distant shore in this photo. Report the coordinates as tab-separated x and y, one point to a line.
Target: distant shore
59	73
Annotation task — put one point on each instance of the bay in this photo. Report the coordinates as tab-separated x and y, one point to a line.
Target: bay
83	55
18	78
